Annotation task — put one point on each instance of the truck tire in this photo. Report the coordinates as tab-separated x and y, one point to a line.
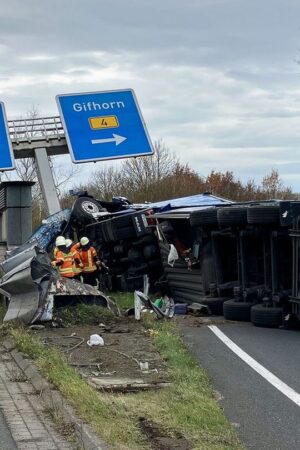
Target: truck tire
261	214
135	256
206	217
240	311
148	239
150	251
232	216
120	249
266	316
84	208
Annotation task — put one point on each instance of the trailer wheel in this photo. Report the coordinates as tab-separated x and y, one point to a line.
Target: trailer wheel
266	316
150	251
206	217
260	214
120	249
84	208
234	310
135	256
233	215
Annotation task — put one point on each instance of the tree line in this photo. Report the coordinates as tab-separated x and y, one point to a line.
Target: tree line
163	176
153	178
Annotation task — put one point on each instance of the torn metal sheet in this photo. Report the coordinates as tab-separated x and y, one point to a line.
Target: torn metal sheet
50	228
31	284
73	288
28	276
67	286
142	301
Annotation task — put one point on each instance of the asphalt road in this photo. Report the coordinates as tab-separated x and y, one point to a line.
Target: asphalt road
264	417
6	440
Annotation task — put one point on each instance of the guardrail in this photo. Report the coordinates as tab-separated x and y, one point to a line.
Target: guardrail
28	130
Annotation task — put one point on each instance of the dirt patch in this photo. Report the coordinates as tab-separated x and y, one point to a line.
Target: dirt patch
126	346
192	321
160	440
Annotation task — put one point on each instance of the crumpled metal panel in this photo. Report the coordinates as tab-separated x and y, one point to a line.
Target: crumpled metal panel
26	283
50	228
18	256
65	286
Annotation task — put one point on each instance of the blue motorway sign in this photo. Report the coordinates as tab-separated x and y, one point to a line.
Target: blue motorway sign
103	125
7	161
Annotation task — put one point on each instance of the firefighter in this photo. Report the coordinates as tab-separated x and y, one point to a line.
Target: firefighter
78	266
57	243
91	262
63	259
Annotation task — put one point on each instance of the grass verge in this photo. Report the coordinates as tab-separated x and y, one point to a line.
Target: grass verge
83	314
187	407
123	299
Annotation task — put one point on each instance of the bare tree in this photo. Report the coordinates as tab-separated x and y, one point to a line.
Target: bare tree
144	173
273	187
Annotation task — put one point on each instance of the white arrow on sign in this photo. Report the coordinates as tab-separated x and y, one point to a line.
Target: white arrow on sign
116	138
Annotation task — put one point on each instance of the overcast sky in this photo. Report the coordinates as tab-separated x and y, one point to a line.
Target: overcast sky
217	80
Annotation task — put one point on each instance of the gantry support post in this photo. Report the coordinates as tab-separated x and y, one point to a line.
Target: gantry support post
46	180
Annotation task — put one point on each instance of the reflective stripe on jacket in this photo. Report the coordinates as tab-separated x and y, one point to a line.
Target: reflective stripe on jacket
66	268
77	259
88	258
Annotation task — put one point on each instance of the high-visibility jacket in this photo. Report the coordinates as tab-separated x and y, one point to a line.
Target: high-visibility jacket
65	262
77	259
88	258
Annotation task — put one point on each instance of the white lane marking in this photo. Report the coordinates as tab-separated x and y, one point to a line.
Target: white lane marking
261	370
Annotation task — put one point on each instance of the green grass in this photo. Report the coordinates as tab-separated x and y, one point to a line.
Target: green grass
107	415
82	314
188	406
123	299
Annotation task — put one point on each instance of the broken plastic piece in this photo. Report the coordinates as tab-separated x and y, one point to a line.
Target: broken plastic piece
94	340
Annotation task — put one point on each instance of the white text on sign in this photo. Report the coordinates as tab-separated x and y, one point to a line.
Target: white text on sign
94	106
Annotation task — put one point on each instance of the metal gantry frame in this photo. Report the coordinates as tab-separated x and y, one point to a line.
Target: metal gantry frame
39	138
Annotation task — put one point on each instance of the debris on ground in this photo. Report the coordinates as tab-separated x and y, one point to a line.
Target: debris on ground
127	357
32	285
95	339
197	309
162	307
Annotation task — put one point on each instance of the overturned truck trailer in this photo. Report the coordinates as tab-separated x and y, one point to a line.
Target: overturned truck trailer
240	259
237	259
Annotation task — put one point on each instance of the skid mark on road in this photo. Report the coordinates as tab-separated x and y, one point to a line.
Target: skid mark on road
261	370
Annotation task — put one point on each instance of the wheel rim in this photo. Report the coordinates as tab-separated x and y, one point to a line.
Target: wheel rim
89	207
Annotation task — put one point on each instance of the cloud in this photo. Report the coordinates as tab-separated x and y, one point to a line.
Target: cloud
216	79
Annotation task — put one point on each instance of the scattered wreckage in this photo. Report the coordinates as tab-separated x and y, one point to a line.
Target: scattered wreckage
31	285
236	259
